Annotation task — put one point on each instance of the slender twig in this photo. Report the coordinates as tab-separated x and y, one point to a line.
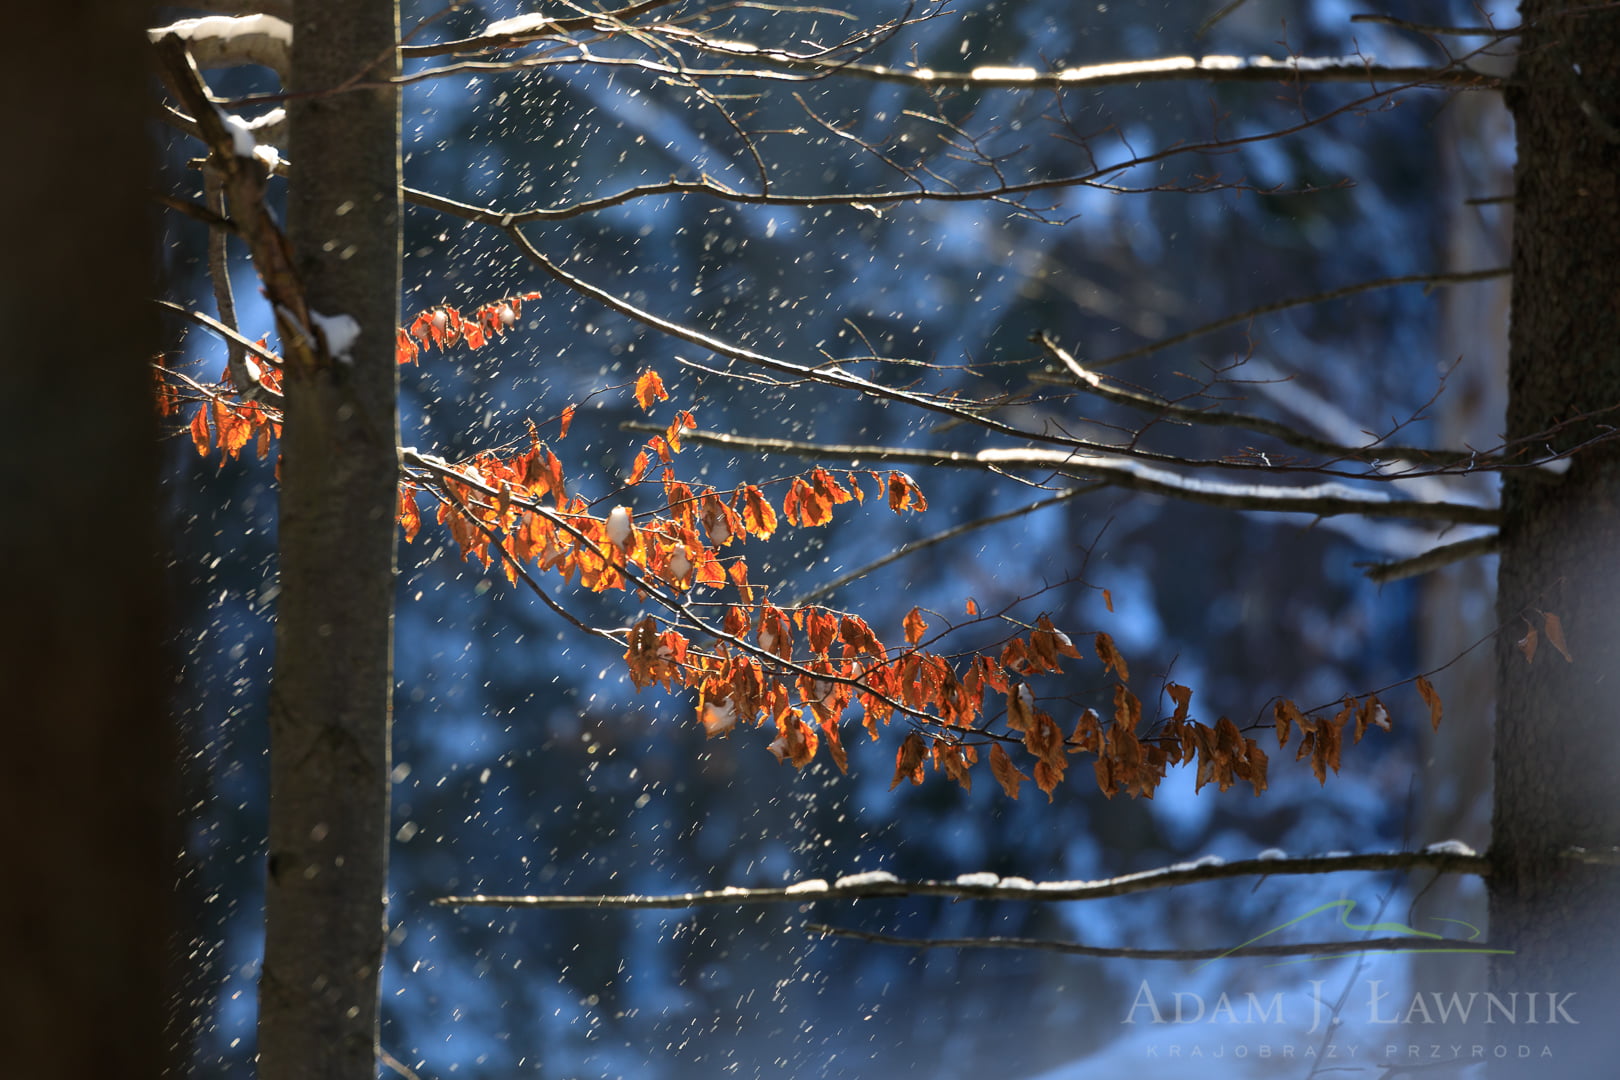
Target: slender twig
1458	278
1320	949
219	274
1439	30
938	538
1088	381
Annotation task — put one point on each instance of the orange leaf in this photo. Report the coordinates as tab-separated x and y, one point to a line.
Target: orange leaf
410	518
1431	699
1527	644
971	606
1109	655
648	387
640	470
405	350
908	763
1555	635
1108	601
904	494
916	627
564	421
672	434
1006	773
758	516
199	431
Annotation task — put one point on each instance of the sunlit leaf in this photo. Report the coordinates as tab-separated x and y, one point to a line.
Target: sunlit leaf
648	388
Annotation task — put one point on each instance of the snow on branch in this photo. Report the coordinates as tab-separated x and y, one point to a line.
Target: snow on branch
1321	500
1263	69
1449	857
218	41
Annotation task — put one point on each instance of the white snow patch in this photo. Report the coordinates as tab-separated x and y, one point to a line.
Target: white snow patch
340	330
519	24
226	27
812	885
618	526
1202	861
870	877
1005	74
1017	883
982	878
269	119
1271	854
1449	847
243	144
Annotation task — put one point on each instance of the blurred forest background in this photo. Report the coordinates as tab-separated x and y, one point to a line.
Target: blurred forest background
525	761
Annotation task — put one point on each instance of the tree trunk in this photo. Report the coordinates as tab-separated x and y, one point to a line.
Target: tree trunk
88	799
1558	721
331	694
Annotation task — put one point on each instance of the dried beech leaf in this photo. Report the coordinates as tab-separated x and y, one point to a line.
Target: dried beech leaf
1554	627
1430	698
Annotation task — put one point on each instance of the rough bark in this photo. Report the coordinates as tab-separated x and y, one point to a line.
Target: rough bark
331	694
1558	722
90	757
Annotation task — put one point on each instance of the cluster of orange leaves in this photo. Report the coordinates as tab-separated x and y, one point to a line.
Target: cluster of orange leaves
798	670
445	326
225	420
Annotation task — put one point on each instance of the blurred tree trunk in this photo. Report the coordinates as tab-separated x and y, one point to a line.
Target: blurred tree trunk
331	693
1558	722
90	758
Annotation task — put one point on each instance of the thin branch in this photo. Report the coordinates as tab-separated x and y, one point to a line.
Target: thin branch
540	29
1433	559
1459	278
871	886
938	538
1321	500
1088	381
1321	949
1436	30
219	274
1123	465
231	336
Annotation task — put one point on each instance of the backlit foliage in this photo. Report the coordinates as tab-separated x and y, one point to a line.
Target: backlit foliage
799	673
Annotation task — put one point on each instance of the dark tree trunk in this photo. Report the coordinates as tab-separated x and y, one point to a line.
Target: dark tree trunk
1558	722
90	755
331	694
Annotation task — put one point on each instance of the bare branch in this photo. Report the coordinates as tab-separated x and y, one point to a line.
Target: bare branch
1433	559
1435	30
537	29
226	332
937	538
1088	381
991	887
1428	280
1320	949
